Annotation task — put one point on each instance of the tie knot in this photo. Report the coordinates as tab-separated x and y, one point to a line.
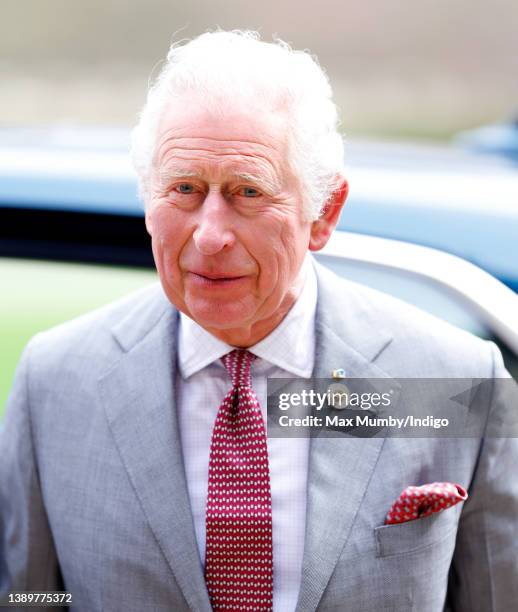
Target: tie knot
238	364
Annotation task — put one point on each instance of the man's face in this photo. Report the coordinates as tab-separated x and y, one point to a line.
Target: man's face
226	219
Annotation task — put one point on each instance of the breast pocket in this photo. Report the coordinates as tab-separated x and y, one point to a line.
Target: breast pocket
417	534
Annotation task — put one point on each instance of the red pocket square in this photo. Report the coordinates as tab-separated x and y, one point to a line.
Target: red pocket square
417	502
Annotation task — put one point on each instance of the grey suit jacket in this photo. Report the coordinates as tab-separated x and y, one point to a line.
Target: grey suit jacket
93	497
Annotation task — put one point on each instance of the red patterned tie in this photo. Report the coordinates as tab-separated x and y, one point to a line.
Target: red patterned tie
239	562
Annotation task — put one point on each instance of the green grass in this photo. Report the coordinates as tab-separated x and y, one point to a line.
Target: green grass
39	295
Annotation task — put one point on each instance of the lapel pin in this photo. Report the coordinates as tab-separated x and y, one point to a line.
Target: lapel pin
339	373
338	395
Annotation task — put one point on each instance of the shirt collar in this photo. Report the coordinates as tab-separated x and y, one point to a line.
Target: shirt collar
290	346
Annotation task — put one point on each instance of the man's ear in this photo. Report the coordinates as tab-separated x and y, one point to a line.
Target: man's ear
323	227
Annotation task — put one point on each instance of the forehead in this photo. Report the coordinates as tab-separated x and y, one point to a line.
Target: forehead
234	136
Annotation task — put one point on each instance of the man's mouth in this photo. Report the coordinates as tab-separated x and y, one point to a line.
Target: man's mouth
216	275
215	279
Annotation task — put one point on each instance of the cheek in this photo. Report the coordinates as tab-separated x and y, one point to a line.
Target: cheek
265	245
163	218
290	243
169	234
279	245
169	225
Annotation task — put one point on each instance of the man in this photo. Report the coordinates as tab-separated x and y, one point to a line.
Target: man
136	472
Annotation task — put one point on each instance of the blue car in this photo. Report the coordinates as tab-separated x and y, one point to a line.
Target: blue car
68	200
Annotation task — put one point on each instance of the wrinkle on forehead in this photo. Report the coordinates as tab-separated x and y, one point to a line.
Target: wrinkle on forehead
222	146
192	123
253	145
232	125
214	138
206	163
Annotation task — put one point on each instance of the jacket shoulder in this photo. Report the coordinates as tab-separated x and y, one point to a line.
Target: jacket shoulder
93	337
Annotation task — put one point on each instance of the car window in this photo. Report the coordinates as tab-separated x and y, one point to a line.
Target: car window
425	295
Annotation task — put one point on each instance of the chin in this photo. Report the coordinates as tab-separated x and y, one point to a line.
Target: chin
218	315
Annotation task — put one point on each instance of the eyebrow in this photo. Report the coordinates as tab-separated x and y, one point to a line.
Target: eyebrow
267	184
174	173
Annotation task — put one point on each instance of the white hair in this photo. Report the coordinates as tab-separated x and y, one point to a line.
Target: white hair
220	67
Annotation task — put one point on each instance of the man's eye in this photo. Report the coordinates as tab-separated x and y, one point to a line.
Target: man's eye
184	188
248	192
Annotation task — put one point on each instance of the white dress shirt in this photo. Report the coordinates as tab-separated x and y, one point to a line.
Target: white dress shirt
202	383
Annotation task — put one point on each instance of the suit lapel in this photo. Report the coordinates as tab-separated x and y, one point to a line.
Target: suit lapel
339	468
139	400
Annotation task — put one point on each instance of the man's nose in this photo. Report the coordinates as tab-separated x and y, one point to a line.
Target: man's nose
214	231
